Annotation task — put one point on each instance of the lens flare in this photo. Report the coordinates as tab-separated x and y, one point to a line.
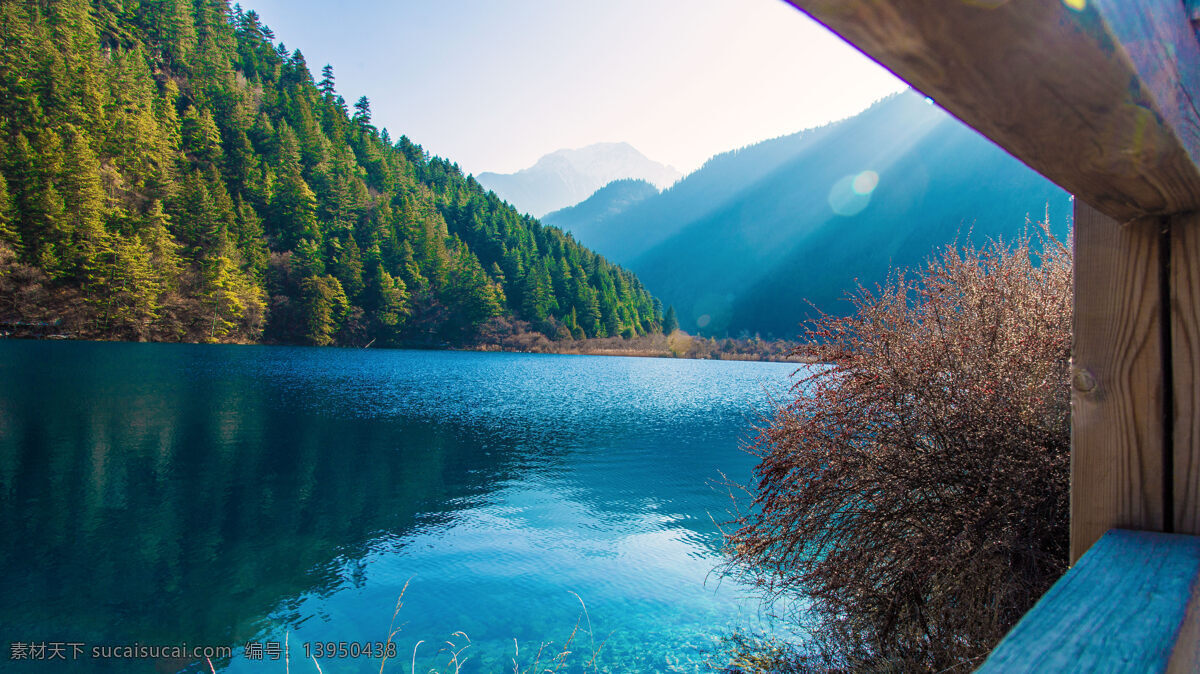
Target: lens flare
865	182
851	194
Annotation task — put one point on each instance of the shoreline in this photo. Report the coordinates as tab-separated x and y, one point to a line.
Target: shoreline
678	345
636	353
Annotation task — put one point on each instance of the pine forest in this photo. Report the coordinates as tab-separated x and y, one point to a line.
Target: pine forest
169	173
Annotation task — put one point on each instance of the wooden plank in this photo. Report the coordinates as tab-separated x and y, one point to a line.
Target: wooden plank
1117	424
1095	99
1185	659
1127	606
1185	360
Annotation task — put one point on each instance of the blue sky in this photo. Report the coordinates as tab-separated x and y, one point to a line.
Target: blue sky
493	85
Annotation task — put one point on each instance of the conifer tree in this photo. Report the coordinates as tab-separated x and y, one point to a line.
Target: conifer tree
670	322
38	204
8	233
201	137
323	307
536	295
163	250
250	239
388	301
347	266
129	296
326	85
82	239
362	113
294	204
169	161
77	98
172	22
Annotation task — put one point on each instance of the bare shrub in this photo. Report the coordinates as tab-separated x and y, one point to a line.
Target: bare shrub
32	305
914	495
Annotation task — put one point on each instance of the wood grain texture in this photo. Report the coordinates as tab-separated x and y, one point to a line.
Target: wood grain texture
1185	658
1185	359
1126	606
1096	100
1117	430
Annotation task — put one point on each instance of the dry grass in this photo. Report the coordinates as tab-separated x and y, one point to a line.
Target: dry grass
518	336
454	654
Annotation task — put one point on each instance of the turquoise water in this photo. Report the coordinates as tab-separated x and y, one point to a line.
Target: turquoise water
214	496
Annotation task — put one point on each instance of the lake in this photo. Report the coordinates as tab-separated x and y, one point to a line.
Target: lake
161	494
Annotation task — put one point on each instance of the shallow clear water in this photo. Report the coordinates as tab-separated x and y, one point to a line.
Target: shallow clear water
212	495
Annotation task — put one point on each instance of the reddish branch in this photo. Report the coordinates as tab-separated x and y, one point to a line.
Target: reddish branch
915	493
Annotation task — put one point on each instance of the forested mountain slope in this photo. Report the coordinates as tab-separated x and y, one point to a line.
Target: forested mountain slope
746	242
582	218
169	173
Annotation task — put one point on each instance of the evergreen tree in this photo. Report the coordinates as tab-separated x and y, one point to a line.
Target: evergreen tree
324	308
389	303
326	85
308	258
234	304
347	266
38	204
250	240
162	248
362	111
81	237
294	205
129	287
8	233
537	298
169	162
588	307
670	322
201	137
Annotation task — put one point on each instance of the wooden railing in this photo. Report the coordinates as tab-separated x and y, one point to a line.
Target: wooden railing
1099	96
1129	605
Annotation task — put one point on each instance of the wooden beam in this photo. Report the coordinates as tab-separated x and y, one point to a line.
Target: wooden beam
1118	438
1185	360
1129	605
1098	99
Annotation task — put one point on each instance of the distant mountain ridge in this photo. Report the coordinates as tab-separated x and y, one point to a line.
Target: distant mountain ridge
567	177
747	241
604	203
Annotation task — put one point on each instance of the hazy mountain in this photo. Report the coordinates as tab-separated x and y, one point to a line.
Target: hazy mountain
606	202
745	242
568	177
